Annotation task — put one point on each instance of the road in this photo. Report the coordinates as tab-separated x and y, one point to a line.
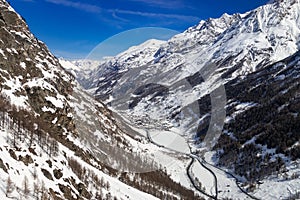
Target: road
193	157
188	171
205	165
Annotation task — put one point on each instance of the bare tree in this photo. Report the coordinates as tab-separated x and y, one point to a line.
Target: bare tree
54	148
26	189
4	107
99	195
34	173
107	186
36	190
43	191
9	187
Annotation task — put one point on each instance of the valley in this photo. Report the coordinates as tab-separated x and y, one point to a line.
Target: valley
211	113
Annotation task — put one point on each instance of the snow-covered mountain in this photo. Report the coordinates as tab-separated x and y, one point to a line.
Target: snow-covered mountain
194	78
92	74
58	142
101	74
237	45
82	70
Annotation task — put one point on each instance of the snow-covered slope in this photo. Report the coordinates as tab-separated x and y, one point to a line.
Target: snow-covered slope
63	143
261	132
111	68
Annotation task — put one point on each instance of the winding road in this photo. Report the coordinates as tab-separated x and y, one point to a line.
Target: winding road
203	164
193	157
193	181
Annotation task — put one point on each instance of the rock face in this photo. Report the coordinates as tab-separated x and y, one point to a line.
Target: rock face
254	56
31	76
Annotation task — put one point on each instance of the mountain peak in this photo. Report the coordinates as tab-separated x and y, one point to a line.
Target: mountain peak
283	1
151	43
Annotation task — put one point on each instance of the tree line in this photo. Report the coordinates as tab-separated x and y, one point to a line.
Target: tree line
26	126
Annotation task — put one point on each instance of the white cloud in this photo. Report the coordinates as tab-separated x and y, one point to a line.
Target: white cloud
162	3
158	15
81	6
119	15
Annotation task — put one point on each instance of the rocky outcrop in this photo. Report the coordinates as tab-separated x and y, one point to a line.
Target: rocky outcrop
2	166
27	61
26	159
47	174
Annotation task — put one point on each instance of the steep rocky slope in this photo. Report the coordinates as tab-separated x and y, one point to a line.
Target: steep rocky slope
60	142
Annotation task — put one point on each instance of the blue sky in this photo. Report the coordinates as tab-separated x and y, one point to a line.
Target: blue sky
72	28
